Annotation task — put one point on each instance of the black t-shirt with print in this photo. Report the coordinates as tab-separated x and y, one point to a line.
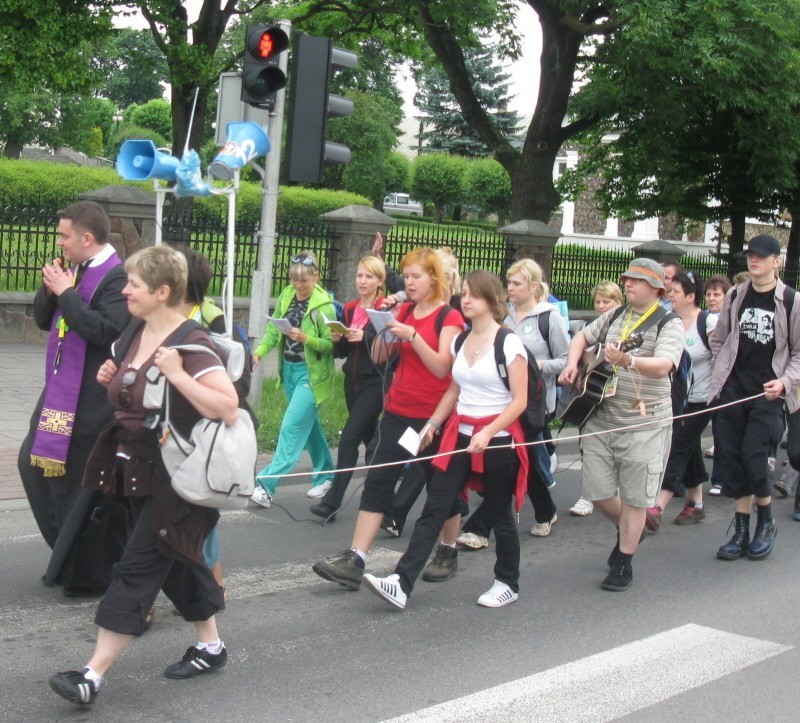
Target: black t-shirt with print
753	366
294	351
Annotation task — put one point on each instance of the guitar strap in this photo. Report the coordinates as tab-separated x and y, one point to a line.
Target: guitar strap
659	316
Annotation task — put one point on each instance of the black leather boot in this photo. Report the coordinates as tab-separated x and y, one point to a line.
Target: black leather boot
764	535
738	545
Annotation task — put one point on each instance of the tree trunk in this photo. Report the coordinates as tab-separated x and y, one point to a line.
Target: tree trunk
736	241
13	148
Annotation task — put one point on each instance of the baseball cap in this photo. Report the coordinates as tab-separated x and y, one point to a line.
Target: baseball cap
763	245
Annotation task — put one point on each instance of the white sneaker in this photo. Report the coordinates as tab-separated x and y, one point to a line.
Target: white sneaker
471	541
261	497
319	490
553	463
542	529
715	490
581	508
497	595
709	452
388	588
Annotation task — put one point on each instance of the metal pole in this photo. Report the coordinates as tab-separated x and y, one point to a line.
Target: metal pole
231	255
262	277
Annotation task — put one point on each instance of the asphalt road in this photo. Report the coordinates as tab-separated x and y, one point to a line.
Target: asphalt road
693	639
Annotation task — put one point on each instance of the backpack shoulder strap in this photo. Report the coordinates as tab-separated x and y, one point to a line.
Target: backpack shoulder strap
788	300
499	354
702	328
440	317
123	344
544	330
460	339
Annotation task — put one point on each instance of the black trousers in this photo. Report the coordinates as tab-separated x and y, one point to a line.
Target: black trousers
685	463
365	405
744	437
499	480
143	571
379	485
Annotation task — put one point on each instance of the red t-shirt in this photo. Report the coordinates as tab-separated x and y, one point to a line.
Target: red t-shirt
415	390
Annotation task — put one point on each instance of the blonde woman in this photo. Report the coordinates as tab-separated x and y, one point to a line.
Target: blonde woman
364	380
305	368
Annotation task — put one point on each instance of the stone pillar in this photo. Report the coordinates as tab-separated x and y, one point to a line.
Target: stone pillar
353	233
659	250
532	239
133	216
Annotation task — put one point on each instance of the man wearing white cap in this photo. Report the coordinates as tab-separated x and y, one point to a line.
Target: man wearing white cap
756	351
624	463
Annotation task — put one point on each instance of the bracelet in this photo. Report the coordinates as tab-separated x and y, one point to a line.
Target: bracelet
435	425
632	362
412	337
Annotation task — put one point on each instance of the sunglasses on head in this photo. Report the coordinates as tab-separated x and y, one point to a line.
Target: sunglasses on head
125	398
305	260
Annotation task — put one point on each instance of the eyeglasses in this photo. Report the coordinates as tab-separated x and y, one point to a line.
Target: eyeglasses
125	397
305	260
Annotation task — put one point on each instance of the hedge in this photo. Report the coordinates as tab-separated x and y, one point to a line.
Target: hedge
58	184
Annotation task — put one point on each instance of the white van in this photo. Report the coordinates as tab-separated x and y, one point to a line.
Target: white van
402	204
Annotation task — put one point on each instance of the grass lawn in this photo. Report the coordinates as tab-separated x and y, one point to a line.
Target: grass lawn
333	414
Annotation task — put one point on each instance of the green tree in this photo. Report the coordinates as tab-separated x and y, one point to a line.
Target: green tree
446	129
487	186
398	172
370	134
155	114
437	178
132	67
703	133
86	124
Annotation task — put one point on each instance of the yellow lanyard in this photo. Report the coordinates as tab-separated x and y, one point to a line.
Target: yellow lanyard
628	330
194	312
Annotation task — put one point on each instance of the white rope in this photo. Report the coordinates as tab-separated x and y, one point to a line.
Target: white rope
555	441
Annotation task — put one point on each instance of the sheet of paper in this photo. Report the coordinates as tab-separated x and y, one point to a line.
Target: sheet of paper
379	320
334	325
283	324
410	441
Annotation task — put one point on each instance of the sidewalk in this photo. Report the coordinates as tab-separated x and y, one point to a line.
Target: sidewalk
22	372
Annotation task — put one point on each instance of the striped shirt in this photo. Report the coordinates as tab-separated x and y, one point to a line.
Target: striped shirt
622	409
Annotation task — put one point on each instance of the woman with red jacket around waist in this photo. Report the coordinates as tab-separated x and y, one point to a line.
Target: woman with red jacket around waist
364	380
424	339
480	417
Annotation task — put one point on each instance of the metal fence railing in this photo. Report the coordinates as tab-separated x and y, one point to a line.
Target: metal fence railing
27	242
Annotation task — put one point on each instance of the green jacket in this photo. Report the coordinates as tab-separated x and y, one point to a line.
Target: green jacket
318	349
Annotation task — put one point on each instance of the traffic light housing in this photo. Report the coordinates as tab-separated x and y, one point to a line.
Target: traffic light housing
311	103
262	76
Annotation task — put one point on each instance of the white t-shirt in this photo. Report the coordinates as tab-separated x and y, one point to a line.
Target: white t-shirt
483	392
702	367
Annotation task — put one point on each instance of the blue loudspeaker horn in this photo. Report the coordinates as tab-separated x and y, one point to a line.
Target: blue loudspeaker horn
141	161
245	142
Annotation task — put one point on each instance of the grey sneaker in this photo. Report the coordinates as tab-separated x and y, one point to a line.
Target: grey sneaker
346	568
443	565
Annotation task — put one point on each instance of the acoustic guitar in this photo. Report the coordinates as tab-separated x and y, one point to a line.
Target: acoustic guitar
577	402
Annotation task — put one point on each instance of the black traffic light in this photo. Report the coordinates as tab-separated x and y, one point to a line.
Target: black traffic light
262	77
311	103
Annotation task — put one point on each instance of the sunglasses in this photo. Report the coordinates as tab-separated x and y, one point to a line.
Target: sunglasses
125	398
305	260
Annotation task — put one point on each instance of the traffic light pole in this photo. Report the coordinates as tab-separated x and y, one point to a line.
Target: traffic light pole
262	277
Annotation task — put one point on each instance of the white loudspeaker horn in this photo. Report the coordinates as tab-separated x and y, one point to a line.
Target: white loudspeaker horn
140	160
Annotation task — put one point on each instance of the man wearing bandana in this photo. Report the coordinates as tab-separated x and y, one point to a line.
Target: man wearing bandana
83	310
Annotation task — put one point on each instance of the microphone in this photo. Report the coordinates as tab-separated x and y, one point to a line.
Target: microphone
399	297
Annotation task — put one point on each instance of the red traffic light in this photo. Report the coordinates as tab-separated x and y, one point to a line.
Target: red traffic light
265	44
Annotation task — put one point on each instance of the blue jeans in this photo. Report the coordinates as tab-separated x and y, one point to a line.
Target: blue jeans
300	429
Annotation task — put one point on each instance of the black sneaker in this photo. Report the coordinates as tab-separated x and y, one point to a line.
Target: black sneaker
443	565
620	577
73	686
324	510
389	526
346	568
196	661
